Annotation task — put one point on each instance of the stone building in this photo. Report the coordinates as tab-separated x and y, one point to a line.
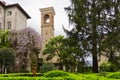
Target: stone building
12	17
47	31
47	25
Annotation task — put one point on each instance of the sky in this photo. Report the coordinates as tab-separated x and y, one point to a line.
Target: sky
32	8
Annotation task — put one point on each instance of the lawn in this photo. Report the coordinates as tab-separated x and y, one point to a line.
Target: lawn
61	75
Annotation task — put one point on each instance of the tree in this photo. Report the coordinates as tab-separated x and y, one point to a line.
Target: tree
112	47
54	48
91	20
59	46
5	52
4	39
26	42
7	59
79	50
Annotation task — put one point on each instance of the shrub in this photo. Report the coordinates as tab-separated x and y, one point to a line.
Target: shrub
30	78
56	73
47	67
21	75
102	74
115	75
108	67
85	69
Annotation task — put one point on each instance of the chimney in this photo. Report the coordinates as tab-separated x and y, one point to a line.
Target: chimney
3	2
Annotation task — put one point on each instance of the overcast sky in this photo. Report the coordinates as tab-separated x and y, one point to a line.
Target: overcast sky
32	8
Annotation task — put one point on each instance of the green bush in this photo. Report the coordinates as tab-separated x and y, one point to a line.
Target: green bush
21	74
108	67
85	69
56	73
47	67
115	75
30	78
61	75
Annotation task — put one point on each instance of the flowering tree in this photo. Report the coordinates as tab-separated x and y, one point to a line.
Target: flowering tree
26	42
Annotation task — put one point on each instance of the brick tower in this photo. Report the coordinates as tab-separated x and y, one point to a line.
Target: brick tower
47	26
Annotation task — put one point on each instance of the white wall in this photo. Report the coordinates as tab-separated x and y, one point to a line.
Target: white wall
2	17
18	19
21	20
10	18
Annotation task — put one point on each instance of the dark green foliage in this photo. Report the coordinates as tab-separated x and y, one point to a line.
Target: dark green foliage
58	47
114	58
108	67
7	58
56	73
96	26
85	69
115	75
69	55
47	67
54	48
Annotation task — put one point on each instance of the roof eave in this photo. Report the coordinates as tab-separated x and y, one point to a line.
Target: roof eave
20	8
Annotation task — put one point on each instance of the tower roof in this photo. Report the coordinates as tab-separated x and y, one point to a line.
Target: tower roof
48	10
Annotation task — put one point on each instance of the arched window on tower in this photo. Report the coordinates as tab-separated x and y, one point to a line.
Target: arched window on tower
47	18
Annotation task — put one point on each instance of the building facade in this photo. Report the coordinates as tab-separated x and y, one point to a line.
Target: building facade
12	17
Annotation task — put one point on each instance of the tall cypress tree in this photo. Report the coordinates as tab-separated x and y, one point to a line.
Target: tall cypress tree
92	21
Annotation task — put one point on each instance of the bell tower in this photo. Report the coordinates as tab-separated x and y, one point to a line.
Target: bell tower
47	25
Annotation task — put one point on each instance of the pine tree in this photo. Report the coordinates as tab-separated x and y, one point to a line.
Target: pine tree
93	22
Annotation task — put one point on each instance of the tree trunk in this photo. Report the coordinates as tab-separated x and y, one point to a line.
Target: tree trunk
94	39
95	64
28	67
3	69
94	56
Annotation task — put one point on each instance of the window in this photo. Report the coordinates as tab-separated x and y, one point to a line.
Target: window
9	13
9	24
46	41
0	26
46	18
46	33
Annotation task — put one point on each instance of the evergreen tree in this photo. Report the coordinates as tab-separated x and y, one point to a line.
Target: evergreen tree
92	21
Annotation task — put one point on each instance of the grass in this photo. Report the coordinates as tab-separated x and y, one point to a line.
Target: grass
61	75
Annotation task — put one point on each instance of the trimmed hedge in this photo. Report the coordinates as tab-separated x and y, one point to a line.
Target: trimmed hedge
56	73
21	74
61	75
115	75
47	67
29	78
